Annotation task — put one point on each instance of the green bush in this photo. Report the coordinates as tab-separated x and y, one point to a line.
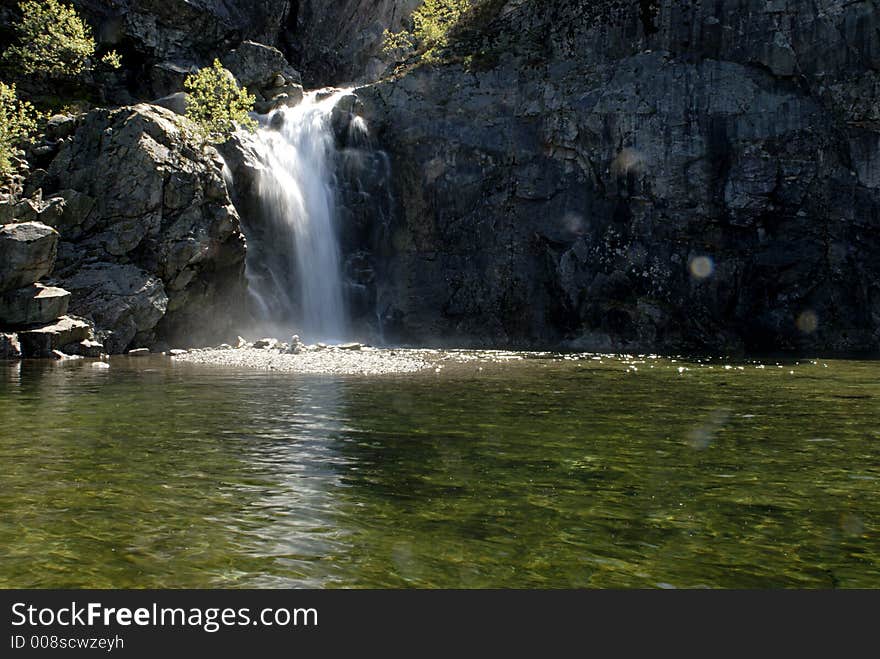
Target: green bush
216	104
17	122
53	41
432	23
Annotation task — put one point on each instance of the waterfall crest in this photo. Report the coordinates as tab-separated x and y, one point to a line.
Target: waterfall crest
294	265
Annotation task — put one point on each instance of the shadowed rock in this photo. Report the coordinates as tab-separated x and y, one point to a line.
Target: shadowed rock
10	347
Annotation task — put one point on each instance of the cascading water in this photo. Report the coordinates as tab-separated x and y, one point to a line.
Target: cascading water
294	264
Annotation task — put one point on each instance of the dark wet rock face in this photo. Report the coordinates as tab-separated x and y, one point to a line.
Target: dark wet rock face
163	41
340	42
639	175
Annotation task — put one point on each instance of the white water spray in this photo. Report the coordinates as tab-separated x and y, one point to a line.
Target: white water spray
295	275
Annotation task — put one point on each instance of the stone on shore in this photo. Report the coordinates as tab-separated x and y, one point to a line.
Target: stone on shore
41	341
10	348
27	253
33	305
87	348
138	352
60	355
265	344
296	345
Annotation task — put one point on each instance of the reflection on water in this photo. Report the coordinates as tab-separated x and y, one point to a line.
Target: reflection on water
533	473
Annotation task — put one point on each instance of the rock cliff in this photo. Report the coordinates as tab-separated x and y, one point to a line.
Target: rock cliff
655	175
151	246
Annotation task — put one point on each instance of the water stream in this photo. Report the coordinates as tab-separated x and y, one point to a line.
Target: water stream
294	264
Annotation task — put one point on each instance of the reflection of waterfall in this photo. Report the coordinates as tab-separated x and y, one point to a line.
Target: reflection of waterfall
294	267
296	522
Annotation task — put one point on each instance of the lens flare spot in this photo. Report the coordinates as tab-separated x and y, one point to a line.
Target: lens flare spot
807	322
701	267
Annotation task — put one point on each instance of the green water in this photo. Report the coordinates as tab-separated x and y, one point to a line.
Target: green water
532	473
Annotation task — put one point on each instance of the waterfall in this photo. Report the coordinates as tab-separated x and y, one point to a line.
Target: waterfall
294	265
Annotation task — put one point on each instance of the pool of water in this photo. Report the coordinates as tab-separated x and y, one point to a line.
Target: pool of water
525	472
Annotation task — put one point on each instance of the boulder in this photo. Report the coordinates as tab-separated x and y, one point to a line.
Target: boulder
10	347
42	341
27	253
145	204
77	214
258	66
87	348
124	301
60	126
33	305
31	209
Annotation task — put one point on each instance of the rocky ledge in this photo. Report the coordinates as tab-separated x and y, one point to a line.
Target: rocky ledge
33	320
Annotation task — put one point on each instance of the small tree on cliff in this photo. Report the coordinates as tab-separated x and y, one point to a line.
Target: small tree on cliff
432	22
216	104
17	122
53	42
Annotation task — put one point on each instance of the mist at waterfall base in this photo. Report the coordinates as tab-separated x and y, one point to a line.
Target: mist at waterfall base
294	265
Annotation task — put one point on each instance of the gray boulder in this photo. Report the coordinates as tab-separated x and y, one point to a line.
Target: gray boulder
32	305
146	207
125	302
27	253
258	66
43	341
32	210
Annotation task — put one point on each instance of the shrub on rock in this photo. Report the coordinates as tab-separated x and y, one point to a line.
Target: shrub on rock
53	40
17	122
216	104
